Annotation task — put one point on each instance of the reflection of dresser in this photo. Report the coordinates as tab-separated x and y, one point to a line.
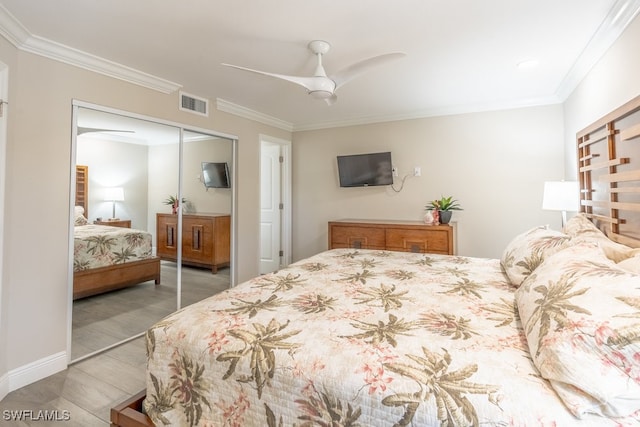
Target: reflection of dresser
123	223
206	239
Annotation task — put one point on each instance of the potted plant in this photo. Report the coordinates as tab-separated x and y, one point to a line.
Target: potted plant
174	203
444	206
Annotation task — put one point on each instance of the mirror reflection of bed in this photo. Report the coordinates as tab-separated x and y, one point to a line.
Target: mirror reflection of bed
126	168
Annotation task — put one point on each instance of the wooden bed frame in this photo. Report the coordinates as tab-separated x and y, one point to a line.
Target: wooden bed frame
129	413
609	175
98	280
112	277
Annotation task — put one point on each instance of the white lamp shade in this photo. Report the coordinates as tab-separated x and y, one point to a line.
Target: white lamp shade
114	194
561	196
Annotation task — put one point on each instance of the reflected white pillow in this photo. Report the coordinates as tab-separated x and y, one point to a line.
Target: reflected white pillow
79	218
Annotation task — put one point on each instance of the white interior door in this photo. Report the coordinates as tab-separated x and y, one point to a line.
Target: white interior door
270	207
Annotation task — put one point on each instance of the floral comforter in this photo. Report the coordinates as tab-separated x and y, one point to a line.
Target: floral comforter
354	338
101	245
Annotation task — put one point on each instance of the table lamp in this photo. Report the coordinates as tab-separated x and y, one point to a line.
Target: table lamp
561	196
114	194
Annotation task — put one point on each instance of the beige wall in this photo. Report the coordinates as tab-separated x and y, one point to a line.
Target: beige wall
115	164
199	198
494	163
613	81
35	276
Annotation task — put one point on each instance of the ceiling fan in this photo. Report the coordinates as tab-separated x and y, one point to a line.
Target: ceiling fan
83	130
321	86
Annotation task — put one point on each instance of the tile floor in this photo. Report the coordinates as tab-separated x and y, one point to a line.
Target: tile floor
84	393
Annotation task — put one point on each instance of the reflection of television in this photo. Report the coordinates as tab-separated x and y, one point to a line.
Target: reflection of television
215	175
364	170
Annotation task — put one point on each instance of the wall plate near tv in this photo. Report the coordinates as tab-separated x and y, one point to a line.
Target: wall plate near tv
215	175
365	170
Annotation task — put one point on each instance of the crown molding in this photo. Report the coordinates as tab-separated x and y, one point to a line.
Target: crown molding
19	36
247	113
613	25
12	29
434	112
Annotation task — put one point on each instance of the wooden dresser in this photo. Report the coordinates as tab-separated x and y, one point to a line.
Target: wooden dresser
206	239
406	236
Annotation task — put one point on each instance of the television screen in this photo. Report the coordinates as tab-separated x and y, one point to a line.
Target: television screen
215	175
363	170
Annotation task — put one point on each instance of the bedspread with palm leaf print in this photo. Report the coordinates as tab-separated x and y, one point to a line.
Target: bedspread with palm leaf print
354	338
101	245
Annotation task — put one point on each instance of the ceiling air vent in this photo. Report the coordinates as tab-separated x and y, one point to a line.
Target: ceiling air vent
194	104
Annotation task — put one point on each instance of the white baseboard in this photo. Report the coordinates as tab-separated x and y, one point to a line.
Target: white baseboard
4	386
35	371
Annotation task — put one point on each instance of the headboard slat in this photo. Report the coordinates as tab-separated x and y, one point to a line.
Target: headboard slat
82	188
630	133
609	173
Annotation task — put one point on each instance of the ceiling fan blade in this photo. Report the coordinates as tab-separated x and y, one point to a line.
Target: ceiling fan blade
82	130
306	82
348	73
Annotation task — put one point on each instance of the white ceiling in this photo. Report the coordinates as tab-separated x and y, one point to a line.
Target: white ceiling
461	54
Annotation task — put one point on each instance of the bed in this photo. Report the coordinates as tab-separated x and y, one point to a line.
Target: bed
107	258
547	335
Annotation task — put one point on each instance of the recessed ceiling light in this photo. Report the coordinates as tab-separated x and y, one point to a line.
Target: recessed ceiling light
527	63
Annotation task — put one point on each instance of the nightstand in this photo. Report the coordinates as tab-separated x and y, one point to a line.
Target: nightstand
124	223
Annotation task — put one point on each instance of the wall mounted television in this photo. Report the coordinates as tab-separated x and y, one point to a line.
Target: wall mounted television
365	170
215	175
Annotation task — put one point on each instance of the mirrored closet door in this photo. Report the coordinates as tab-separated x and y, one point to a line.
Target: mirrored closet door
207	168
147	195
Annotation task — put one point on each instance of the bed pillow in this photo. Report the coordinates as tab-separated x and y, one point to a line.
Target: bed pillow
631	264
581	229
79	218
527	250
581	317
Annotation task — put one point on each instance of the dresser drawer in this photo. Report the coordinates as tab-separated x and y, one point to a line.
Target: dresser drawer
197	239
206	239
343	236
413	240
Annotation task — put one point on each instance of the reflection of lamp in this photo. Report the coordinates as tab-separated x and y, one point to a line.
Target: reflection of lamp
114	194
561	196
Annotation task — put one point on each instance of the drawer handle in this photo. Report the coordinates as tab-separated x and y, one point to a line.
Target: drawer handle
196	239
170	237
357	244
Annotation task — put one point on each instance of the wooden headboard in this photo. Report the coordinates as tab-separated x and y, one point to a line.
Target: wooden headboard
82	188
609	173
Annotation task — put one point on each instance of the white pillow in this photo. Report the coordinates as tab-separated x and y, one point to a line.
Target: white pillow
79	218
581	229
631	264
580	315
527	251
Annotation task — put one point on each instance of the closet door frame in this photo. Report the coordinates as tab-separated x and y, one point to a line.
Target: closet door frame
233	140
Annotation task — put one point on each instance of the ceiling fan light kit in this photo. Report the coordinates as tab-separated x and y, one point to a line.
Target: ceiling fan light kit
321	86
